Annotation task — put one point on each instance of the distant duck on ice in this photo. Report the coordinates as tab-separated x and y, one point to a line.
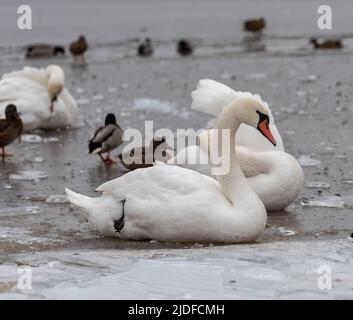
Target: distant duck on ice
145	49
44	51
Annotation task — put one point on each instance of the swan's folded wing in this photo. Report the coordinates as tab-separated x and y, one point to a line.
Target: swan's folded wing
211	97
34	74
159	182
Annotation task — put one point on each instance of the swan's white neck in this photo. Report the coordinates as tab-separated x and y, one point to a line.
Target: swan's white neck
233	183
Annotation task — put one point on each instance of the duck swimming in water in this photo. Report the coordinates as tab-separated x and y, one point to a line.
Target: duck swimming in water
10	129
106	139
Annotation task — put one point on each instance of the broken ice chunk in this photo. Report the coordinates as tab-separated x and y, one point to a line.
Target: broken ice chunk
31	138
51	139
10	212
286	232
83	101
307	161
57	198
28	175
318	185
347	181
327	202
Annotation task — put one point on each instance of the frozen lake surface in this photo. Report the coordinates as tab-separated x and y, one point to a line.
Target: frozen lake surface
311	96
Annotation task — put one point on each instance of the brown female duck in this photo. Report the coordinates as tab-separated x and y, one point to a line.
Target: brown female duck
254	25
141	157
10	129
78	49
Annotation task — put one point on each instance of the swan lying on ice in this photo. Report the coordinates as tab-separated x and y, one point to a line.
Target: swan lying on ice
171	203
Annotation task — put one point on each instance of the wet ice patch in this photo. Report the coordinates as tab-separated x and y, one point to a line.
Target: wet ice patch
31	138
11	212
307	161
98	97
286	232
57	199
153	105
83	101
326	202
159	106
309	79
28	175
50	139
256	76
317	185
347	181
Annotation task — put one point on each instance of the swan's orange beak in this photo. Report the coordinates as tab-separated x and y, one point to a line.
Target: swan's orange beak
263	127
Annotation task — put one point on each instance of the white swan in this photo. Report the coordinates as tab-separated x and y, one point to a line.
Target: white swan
274	175
170	203
40	97
212	97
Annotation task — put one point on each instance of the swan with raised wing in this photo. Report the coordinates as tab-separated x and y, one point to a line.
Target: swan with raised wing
274	175
40	97
171	203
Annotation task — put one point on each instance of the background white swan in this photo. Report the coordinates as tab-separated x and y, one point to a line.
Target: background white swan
212	97
170	203
274	175
40	97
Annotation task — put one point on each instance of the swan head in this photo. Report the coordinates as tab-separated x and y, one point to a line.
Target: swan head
255	113
55	82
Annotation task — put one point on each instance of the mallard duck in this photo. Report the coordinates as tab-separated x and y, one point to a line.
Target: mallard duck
43	51
254	25
106	139
10	128
78	49
184	48
145	49
327	44
141	157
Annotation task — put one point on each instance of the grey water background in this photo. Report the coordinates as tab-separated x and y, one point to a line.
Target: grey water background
110	21
310	93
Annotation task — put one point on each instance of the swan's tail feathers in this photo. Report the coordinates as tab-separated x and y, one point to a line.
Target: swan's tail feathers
212	97
79	200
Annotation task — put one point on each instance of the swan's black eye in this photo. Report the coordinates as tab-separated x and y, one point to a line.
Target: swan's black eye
263	117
